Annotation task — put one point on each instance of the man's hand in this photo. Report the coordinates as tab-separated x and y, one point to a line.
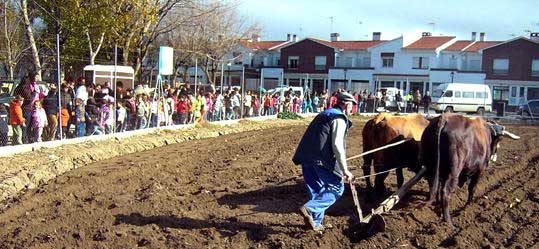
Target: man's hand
348	176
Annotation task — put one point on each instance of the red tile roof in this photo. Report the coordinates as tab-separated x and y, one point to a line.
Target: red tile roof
480	45
458	45
430	42
349	45
261	45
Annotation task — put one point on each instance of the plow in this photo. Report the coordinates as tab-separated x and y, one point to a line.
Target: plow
374	222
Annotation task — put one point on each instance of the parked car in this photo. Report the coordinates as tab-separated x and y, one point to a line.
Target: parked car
9	87
462	97
531	108
284	89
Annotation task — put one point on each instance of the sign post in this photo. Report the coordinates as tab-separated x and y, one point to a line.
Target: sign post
166	67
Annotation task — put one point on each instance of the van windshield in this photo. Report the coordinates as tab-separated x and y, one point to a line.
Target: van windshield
437	93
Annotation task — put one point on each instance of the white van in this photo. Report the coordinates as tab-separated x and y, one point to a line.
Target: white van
390	93
462	97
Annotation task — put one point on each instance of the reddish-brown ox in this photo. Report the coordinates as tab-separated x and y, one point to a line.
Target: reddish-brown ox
454	149
384	129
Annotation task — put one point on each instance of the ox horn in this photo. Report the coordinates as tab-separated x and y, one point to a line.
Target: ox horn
511	135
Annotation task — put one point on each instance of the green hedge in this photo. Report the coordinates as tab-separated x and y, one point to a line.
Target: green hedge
288	115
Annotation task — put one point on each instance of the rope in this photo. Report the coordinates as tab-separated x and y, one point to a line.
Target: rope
377	149
375	174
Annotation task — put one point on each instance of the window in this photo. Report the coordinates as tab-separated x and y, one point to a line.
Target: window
500	66
535	67
453	62
480	95
420	63
387	59
239	59
366	62
468	95
457	94
448	94
319	63
348	61
475	65
513	91
293	62
521	92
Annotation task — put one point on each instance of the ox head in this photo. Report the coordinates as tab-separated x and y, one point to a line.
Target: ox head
497	132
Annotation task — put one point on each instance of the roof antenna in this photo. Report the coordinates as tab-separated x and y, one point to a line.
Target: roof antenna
433	26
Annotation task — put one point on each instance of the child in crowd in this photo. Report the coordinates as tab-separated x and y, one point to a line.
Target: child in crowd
142	112
107	119
39	120
16	120
121	115
80	116
275	103
181	108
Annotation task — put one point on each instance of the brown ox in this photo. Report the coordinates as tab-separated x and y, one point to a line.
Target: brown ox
384	129
454	149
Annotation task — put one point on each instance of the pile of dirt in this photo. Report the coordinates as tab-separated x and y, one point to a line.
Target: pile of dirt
242	191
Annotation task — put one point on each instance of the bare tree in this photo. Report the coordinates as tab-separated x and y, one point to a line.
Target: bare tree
212	31
30	36
13	38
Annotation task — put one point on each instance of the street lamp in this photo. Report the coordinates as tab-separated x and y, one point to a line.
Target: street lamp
228	74
452	76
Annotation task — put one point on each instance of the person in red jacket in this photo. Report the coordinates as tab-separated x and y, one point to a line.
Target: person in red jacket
181	108
16	119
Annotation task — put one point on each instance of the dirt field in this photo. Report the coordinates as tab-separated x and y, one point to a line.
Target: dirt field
242	191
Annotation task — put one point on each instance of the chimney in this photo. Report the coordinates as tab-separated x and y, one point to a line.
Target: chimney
288	37
294	38
424	34
376	36
256	38
534	36
482	36
474	36
334	37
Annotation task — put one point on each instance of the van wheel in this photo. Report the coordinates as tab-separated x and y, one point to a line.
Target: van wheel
481	111
448	109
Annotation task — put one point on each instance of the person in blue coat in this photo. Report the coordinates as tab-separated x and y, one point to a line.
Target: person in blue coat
322	156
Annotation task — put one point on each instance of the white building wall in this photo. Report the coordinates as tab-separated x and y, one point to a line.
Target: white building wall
460	77
353	58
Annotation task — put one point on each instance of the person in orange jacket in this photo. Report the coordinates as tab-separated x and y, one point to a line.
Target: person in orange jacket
16	119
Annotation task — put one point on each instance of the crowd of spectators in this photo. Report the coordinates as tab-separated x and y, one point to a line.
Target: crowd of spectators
85	109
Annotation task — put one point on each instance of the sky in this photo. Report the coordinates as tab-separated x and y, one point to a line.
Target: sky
357	19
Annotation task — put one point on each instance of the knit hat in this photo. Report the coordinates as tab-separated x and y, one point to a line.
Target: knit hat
346	97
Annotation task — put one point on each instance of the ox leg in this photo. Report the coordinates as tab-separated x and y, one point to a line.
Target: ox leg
400	177
448	188
431	195
471	187
379	183
367	172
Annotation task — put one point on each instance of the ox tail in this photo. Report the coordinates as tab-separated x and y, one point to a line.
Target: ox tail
436	181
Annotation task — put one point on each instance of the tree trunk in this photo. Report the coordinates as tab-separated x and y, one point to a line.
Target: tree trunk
92	53
30	36
125	51
11	69
185	73
9	62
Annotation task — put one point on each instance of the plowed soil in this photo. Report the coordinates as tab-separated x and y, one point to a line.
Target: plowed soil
243	191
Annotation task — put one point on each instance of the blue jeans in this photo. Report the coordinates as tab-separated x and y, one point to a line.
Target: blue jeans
81	129
324	189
